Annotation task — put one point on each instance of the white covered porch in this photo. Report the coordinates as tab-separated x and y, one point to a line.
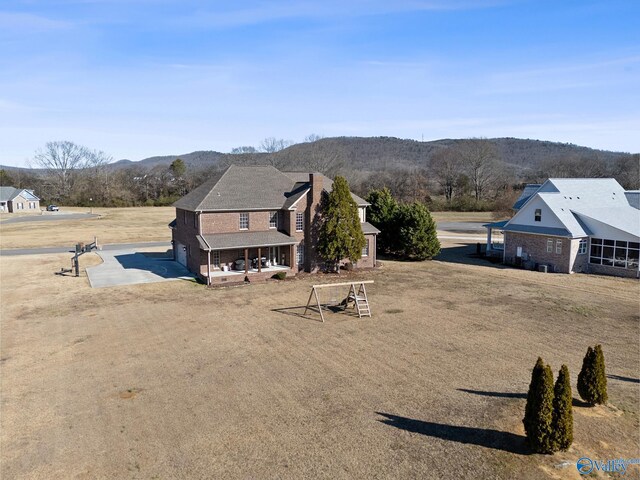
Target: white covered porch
495	238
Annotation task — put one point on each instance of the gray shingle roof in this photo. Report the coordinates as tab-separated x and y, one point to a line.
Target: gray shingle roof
526	194
554	232
369	229
6	193
225	241
251	188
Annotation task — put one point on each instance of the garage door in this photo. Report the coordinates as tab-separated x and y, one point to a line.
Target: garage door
181	254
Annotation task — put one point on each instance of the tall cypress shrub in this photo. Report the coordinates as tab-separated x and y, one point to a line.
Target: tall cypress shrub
538	416
562	425
592	380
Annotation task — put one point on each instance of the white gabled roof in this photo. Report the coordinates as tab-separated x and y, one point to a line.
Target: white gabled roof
586	206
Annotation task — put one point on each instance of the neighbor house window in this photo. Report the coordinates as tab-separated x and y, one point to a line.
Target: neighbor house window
300	254
365	249
558	246
549	245
32	205
299	222
20	206
244	221
216	258
538	215
614	253
582	248
273	219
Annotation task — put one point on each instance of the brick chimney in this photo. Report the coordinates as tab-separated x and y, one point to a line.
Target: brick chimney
315	179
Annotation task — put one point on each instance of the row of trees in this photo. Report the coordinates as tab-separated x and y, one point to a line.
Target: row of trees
548	418
407	229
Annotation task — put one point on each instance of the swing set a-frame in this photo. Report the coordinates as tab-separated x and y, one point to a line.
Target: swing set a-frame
356	298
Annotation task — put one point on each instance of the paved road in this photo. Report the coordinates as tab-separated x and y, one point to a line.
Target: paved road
128	267
48	217
462	227
113	246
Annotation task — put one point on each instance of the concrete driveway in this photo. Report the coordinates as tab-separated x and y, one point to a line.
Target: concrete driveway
131	267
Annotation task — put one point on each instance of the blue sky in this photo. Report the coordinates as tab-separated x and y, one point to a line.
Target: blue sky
137	78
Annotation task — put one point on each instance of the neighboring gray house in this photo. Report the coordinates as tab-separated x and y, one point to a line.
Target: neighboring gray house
572	225
14	200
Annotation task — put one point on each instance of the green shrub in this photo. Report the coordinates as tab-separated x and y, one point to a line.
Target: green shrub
562	411
592	380
538	416
279	275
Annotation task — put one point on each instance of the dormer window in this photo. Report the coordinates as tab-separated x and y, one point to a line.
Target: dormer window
538	215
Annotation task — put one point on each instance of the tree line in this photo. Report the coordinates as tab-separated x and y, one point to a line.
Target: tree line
464	175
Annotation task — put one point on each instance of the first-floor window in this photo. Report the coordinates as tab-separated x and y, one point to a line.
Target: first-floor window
582	249
300	254
365	249
216	258
558	247
549	245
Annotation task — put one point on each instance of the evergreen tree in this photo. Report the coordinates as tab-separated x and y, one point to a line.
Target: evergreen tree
340	233
538	416
592	380
178	168
416	232
562	425
381	215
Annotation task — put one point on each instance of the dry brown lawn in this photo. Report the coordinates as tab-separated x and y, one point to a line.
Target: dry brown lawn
115	225
172	380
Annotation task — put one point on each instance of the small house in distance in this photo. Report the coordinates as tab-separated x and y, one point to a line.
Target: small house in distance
254	222
569	225
13	200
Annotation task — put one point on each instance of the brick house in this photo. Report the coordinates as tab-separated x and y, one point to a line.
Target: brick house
14	200
256	221
569	225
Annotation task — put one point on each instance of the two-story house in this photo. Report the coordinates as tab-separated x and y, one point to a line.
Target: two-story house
256	221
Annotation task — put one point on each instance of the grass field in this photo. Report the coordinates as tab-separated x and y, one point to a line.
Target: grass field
127	225
114	225
172	380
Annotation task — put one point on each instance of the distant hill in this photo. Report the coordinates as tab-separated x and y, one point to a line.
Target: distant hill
375	154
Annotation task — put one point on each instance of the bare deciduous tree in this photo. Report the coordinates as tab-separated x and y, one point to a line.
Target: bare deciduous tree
480	162
272	144
62	160
445	165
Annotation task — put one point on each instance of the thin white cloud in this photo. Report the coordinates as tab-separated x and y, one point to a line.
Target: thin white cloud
29	23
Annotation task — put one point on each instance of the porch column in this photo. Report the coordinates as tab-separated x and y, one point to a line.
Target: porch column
246	261
489	238
208	267
259	260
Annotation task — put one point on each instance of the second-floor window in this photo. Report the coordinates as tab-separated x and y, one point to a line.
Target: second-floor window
273	219
538	215
299	222
244	221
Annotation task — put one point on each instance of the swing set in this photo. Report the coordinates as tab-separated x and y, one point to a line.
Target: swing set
356	298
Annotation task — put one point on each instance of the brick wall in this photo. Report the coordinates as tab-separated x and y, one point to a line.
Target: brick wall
535	246
608	270
229	222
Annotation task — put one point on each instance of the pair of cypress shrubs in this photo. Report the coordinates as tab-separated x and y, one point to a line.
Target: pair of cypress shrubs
548	417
